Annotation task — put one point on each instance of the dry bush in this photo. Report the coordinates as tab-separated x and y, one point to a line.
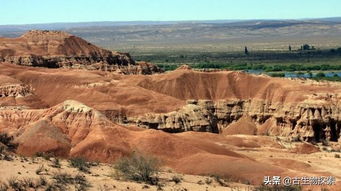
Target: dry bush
40	169
81	164
8	142
176	179
56	163
139	167
63	180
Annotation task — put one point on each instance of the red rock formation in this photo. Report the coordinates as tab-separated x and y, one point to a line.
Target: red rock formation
104	127
56	49
72	129
292	108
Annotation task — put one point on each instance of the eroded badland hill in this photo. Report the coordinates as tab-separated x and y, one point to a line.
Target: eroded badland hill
78	101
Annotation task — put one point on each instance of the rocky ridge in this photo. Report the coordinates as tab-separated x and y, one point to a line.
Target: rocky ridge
304	121
218	102
56	49
14	90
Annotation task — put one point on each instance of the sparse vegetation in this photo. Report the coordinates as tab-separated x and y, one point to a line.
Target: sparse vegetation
2	149
138	167
8	142
61	182
314	64
3	186
29	182
221	181
337	156
281	74
44	155
43	181
56	163
40	169
81	164
176	179
65	179
208	181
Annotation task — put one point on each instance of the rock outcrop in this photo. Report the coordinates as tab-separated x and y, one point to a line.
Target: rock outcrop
55	49
195	116
295	109
72	129
14	90
306	121
10	87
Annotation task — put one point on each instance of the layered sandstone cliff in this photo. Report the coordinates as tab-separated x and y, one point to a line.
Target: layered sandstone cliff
55	49
184	100
307	121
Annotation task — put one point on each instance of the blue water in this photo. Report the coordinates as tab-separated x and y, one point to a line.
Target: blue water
295	74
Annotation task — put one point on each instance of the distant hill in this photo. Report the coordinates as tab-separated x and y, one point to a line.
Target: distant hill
216	35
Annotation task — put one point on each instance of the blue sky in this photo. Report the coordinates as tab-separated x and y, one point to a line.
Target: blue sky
49	11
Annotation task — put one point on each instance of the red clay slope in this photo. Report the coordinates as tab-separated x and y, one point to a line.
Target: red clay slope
55	49
72	129
139	94
187	84
49	43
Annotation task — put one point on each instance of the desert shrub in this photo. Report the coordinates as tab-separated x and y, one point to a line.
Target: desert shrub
208	181
277	188
2	149
81	164
138	167
221	181
6	156
8	141
55	187
81	182
62	180
159	187
42	181
44	155
16	184
176	179
40	169
3	186
56	163
337	156
28	183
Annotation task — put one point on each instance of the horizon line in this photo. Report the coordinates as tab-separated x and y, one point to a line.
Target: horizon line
185	20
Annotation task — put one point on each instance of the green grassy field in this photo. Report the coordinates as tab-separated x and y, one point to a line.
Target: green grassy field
274	63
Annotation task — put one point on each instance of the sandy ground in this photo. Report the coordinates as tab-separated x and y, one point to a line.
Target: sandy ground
102	176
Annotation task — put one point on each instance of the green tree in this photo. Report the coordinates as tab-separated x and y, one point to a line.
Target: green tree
320	75
246	51
306	47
